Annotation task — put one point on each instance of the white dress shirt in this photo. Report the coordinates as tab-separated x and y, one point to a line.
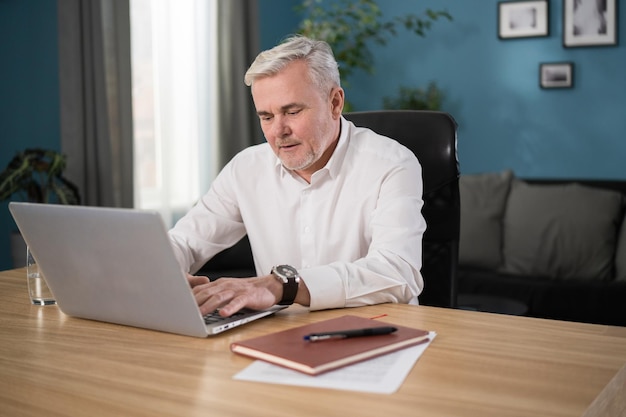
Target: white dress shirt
354	233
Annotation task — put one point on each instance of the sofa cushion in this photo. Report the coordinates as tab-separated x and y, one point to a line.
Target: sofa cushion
620	254
483	199
561	231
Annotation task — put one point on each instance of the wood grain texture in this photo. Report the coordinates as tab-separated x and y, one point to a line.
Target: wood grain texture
612	399
480	364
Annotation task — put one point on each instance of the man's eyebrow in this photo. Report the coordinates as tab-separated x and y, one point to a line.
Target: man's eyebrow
291	106
282	109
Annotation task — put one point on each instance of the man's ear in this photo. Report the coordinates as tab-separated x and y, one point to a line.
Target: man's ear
337	101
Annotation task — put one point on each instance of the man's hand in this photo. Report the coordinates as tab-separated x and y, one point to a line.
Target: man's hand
233	294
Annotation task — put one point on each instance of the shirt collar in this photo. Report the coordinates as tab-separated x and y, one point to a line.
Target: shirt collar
333	166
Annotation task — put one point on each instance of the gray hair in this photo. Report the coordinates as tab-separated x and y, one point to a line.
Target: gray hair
323	68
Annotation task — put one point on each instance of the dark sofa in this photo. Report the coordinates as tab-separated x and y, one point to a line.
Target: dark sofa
557	246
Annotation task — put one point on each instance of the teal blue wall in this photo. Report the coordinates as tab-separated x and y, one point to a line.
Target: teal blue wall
505	119
29	88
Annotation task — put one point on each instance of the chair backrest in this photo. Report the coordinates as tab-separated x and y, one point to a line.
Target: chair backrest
431	136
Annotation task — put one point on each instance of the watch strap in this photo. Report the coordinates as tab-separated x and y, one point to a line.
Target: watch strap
290	290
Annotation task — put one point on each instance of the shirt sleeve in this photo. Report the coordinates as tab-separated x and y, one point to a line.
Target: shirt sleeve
211	226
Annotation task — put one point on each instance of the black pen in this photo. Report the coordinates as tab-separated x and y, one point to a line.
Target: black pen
344	334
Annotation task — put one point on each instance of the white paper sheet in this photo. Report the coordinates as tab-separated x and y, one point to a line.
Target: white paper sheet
382	375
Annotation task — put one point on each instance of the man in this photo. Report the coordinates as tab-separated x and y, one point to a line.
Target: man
332	211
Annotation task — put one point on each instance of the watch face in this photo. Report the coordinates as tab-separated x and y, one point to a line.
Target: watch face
287	271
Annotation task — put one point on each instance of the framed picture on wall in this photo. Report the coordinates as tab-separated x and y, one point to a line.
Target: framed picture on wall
522	19
556	75
589	23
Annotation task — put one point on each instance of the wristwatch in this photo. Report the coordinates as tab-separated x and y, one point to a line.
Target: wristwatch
290	278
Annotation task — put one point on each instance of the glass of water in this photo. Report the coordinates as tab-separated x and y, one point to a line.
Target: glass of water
37	288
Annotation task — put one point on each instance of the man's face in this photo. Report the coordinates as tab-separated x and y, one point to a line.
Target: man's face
300	123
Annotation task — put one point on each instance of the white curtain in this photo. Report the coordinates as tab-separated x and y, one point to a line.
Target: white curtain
172	42
192	111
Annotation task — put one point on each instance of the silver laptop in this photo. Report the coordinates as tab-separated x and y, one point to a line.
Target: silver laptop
116	265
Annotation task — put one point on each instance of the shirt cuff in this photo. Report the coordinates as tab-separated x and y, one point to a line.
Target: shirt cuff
325	287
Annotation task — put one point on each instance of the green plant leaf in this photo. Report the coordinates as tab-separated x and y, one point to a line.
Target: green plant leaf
415	98
36	175
350	26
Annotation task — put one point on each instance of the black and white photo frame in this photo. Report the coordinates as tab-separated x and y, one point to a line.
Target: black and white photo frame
589	23
523	19
556	75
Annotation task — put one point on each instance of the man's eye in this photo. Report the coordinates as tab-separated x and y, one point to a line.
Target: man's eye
293	112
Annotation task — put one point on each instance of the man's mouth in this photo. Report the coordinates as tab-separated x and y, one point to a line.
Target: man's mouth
287	146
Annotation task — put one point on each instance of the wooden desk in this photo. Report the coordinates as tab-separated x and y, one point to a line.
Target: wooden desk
480	364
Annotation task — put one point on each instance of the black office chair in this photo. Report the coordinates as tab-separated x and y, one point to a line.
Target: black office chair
432	138
234	262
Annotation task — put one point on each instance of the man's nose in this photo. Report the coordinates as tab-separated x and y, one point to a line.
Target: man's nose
280	127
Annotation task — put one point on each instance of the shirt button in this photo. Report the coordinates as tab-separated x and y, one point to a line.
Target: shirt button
307	229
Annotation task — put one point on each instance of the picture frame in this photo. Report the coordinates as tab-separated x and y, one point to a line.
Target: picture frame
523	19
589	23
556	75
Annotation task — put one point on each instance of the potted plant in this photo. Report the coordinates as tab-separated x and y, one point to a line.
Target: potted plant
35	176
351	26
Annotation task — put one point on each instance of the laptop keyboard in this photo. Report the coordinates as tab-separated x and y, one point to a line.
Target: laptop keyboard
215	317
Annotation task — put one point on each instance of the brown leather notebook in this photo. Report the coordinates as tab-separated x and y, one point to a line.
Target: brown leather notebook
290	349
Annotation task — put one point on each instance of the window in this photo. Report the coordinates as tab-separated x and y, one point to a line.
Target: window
172	48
